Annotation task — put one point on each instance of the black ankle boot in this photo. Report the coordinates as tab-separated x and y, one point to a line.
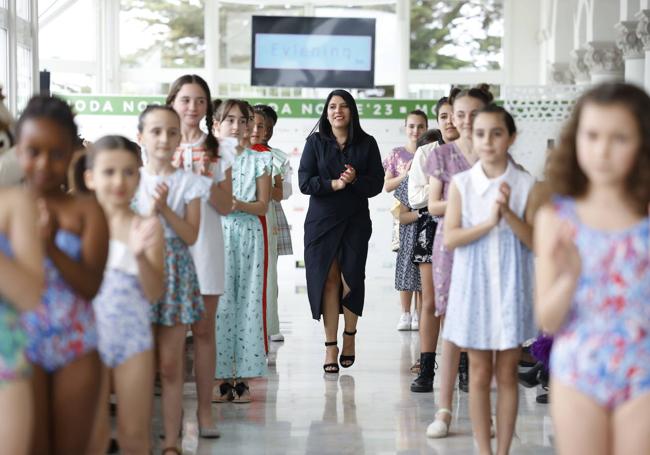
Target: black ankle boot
424	382
530	378
463	372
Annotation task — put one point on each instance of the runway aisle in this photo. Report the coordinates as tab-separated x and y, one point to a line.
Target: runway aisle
368	409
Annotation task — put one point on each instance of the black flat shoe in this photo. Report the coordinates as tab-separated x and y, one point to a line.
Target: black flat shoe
331	368
542	398
347	361
530	378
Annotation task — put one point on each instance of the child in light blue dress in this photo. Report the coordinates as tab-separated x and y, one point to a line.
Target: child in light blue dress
240	316
488	224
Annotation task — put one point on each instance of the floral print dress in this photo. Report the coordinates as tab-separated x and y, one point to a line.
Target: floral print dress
62	328
603	349
443	163
182	302
240	316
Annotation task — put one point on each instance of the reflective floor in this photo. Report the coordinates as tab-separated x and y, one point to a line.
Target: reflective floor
368	409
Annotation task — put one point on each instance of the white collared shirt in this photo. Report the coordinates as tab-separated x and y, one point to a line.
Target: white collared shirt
479	193
418	183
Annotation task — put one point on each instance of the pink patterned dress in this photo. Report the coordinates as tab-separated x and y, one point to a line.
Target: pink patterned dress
443	163
397	161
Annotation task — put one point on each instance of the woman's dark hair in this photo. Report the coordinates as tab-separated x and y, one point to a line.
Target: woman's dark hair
211	142
51	108
355	132
152	108
225	107
269	112
507	117
419	113
444	100
111	143
563	172
480	92
429	136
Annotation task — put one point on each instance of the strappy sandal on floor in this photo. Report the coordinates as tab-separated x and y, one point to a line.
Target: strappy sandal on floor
240	389
226	393
439	428
331	368
347	361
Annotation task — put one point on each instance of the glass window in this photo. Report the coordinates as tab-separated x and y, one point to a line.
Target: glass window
4	58
4	4
72	35
61	82
456	34
235	23
157	34
24	76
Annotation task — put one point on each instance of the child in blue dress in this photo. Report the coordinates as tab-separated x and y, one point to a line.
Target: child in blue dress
240	316
134	278
489	225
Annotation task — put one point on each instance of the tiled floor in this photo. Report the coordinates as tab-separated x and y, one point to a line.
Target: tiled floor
368	409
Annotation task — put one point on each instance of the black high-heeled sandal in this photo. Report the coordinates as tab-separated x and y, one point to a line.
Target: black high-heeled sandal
332	368
347	361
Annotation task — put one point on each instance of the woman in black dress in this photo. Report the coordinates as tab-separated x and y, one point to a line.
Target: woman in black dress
340	169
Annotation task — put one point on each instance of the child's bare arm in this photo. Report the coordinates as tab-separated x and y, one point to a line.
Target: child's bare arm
556	271
85	277
22	278
221	194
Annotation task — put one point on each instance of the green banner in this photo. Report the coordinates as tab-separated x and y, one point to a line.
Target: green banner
285	107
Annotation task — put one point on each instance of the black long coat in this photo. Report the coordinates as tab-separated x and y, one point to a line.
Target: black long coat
338	222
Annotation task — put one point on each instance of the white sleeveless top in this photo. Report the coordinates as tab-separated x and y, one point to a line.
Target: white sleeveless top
121	258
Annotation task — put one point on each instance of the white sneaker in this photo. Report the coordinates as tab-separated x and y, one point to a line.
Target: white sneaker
277	337
404	322
415	322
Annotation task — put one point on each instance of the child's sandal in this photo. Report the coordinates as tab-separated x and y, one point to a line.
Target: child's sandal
241	395
225	393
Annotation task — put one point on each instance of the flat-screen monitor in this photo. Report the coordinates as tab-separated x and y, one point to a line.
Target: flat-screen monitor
313	52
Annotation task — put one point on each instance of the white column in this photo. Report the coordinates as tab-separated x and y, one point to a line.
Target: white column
604	60
212	38
643	32
33	25
578	67
108	46
12	80
632	47
404	46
